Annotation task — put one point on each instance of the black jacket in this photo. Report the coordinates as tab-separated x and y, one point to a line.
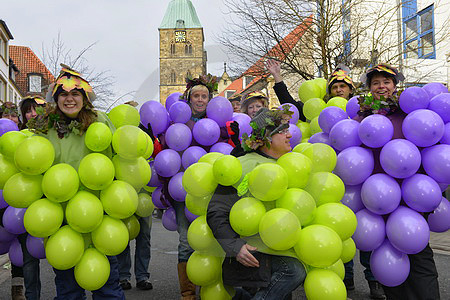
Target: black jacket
284	97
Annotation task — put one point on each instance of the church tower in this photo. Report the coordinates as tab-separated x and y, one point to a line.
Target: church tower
181	48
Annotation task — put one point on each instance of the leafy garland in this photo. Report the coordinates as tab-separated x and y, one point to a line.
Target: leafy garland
369	105
209	81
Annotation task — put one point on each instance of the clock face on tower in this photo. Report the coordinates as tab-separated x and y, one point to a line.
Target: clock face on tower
180	36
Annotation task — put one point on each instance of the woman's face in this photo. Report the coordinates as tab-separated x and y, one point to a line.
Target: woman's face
12	117
236	106
70	103
254	107
280	142
340	89
31	113
381	85
199	101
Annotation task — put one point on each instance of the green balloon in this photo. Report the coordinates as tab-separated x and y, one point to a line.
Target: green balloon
325	187
9	142
84	212
306	140
119	199
300	147
135	171
21	190
43	218
7	169
96	171
313	107
98	137
314	126
324	285
322	156
60	182
34	155
124	114
300	202
304	128
92	271
87	240
268	181
279	229
145	205
298	168
348	250
322	84
318	246
309	89
215	291
198	180
227	170
245	216
133	226
338	268
111	237
64	248
27	132
197	205
210	157
130	142
339	102
200	236
203	269
338	217
150	147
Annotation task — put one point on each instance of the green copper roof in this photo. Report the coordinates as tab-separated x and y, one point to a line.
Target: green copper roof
180	10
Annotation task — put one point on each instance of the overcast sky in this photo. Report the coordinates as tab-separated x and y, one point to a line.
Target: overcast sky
126	32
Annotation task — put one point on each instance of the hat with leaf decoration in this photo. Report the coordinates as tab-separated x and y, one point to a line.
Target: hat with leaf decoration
209	81
384	69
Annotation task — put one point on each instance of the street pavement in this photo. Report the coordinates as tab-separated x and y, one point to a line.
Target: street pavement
163	270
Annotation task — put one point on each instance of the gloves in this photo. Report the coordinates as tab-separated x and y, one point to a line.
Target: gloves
233	132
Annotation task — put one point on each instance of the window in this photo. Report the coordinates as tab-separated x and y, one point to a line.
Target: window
11	95
2	90
3	46
229	93
172	48
35	83
247	80
418	31
346	33
188	49
173	77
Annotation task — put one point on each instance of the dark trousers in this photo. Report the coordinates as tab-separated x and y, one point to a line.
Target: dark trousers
422	282
31	271
364	258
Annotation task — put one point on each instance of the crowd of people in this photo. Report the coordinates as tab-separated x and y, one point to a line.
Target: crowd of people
261	275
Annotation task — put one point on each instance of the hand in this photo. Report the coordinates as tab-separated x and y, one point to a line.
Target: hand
233	132
246	258
274	68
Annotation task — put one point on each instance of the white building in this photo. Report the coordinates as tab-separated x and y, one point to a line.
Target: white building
8	88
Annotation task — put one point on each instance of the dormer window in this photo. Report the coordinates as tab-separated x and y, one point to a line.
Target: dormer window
35	83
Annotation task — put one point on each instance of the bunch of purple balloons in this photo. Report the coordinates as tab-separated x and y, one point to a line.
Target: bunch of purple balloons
395	179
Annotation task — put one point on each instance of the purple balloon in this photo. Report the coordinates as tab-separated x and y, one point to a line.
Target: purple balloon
295	117
167	163
154	180
36	247
443	186
413	98
244	123
381	194
400	158
7	125
331	115
178	137
375	131
296	135
220	110
206	131
4	247
13	220
352	198
155	114
180	112
439	220
190	216
159	200
221	147
3	203
5	235
191	155
320	137
436	162
423	127
352	107
176	190
389	266
446	137
172	99
169	219
407	230
440	104
345	134
435	88
370	231
354	165
15	253
421	193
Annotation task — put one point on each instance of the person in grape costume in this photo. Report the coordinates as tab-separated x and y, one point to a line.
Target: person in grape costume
252	102
10	111
340	84
64	122
27	109
273	274
236	103
382	82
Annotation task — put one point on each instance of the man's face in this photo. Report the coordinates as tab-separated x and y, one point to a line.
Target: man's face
236	106
280	142
340	89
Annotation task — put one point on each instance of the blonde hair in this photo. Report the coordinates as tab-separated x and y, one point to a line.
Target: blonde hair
197	88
